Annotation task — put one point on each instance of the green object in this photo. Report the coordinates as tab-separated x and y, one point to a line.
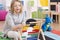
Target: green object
34	14
31	3
23	37
3	37
34	35
38	14
1	33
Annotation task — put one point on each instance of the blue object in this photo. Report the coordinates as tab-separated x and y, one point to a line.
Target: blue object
46	26
31	38
22	2
52	35
1	6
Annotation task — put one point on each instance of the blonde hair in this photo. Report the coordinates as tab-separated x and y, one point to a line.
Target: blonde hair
12	7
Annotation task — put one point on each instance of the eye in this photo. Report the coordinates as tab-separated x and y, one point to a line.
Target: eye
19	5
15	5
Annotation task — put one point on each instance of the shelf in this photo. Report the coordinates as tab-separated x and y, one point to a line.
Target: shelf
53	0
53	3
53	6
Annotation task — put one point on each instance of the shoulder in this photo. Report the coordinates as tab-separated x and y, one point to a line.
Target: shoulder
24	13
8	15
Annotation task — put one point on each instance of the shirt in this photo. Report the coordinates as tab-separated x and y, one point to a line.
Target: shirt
13	20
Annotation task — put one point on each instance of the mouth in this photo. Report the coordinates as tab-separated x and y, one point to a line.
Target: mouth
18	9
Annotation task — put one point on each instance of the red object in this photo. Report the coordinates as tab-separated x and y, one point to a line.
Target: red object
24	30
32	32
56	32
36	30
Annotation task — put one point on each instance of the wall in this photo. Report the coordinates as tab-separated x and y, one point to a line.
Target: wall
8	2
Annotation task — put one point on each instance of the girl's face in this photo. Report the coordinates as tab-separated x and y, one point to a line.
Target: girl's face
17	7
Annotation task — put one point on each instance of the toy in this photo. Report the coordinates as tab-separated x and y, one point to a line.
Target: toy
32	27
46	26
32	30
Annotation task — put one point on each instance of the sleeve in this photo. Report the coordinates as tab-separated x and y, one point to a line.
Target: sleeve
24	18
8	23
9	20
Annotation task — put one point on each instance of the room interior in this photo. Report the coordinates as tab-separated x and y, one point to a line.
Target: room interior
53	12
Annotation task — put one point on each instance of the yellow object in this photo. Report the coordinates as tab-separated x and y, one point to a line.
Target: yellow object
36	27
25	28
43	2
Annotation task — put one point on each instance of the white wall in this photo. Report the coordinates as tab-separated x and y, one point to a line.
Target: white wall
8	3
0	1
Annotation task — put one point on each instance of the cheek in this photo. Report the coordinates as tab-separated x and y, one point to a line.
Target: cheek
15	8
19	7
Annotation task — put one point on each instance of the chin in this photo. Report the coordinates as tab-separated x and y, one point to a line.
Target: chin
18	11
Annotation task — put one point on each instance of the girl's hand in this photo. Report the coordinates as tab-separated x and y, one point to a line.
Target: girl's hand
20	26
16	28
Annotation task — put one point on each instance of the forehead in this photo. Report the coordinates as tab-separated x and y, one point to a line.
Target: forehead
17	3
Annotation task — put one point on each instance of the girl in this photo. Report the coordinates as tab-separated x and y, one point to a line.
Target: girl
14	20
